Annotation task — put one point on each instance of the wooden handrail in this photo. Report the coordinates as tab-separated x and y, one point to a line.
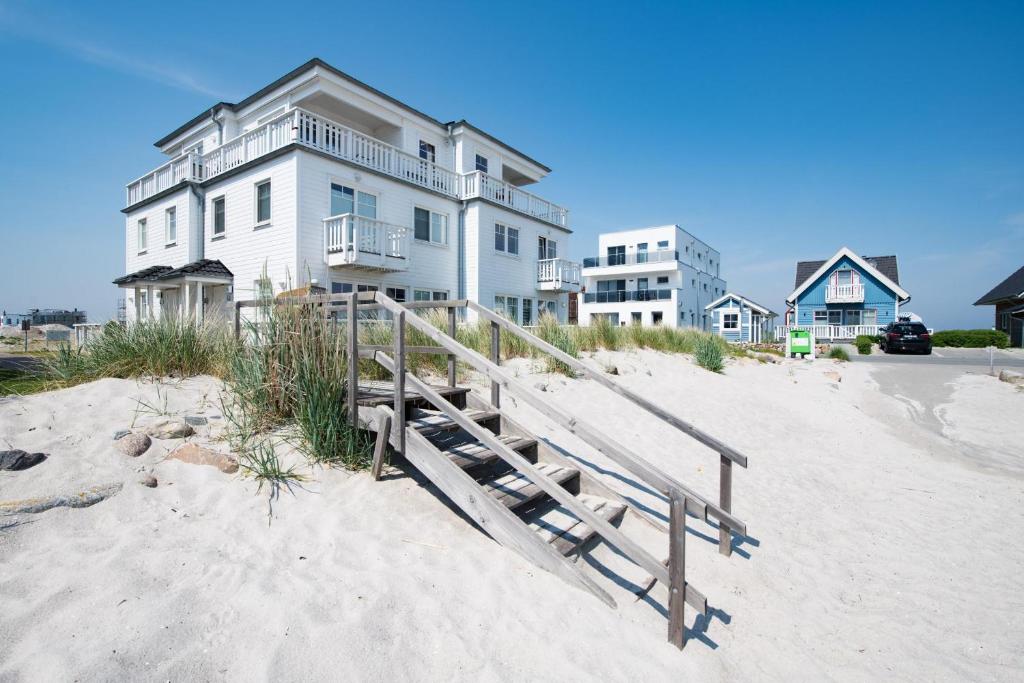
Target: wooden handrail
695	503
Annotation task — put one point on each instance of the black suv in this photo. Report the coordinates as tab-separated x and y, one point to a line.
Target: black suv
905	337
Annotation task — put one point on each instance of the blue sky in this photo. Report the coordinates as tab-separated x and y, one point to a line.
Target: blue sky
775	133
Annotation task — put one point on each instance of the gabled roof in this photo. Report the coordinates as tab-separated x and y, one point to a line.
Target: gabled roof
317	62
867	264
764	310
1010	288
150	274
201	268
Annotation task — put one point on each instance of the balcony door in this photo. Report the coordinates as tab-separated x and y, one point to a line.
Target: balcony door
349	200
546	248
617	255
641	252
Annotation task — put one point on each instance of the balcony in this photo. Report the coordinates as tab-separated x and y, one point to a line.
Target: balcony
558	275
479	184
632	259
622	296
844	294
334	139
365	243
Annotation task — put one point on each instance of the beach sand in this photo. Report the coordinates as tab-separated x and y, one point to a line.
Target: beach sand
877	550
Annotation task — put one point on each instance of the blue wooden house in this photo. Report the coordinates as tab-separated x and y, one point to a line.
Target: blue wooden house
739	319
845	296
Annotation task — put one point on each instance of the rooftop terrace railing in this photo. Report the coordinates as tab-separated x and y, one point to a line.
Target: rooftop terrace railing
622	295
632	258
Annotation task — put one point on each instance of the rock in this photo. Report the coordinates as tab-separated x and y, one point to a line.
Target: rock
541	386
197	455
120	433
19	460
834	376
134	445
148	481
169	429
71	499
611	370
195	421
1011	377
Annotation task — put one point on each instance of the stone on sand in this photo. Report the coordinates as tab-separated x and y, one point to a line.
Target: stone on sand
19	460
133	445
197	455
169	429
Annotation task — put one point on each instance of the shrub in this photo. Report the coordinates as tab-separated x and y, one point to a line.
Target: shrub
838	353
971	339
864	342
708	354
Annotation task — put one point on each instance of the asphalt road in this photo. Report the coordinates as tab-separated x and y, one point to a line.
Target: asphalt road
968	358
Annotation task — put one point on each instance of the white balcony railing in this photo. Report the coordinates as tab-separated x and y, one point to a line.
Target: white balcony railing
360	241
558	274
844	294
828	332
479	184
316	132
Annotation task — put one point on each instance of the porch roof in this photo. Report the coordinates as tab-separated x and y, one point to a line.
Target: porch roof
203	269
764	310
145	275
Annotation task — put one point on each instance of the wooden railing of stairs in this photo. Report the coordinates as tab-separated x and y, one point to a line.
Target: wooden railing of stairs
593	504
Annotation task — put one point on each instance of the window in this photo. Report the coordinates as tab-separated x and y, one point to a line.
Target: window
546	248
499	304
705	286
527	312
396	293
663	279
663	244
694	283
429	226
428	151
635	317
616	255
641	283
345	199
507	306
853	317
170	226
263	202
552	308
641	252
821	317
218	216
341	288
656	317
481	163
506	239
869	317
143	238
429	295
730	320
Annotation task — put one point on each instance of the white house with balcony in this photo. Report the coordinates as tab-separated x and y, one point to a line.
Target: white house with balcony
319	179
651	276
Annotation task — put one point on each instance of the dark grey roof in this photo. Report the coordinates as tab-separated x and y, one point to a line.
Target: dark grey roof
315	62
1007	289
886	265
204	268
150	274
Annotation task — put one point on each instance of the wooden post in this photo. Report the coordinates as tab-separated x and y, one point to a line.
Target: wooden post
353	361
451	356
677	569
380	449
399	376
725	502
496	359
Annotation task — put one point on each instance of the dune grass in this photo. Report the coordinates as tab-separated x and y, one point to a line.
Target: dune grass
838	353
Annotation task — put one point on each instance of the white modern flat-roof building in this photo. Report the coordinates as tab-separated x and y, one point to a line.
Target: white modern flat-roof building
319	179
651	276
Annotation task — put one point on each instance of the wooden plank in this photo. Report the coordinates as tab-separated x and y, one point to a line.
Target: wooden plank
398	372
578	535
238	320
608	532
496	359
364	349
353	363
452	331
695	503
380	448
516	489
601	378
440	422
472	454
495	519
725	501
677	570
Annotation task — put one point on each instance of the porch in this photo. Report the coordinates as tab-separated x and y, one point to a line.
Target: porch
196	291
829	332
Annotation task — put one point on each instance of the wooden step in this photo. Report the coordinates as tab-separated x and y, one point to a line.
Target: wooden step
565	531
431	422
382	393
515	489
474	453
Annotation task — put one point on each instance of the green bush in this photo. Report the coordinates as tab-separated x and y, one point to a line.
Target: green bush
838	353
971	339
708	354
864	342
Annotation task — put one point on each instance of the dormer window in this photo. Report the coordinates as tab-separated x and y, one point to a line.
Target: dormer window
481	163
428	151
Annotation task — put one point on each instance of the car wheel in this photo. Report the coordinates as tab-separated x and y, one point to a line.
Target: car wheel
928	351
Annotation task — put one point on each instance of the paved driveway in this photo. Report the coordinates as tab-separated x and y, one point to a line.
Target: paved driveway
963	358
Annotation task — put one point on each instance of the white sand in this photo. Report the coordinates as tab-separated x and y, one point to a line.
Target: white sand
877	550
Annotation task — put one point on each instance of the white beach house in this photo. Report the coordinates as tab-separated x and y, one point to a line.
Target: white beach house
319	179
651	276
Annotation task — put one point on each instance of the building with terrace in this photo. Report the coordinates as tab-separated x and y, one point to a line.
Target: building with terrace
651	276
319	180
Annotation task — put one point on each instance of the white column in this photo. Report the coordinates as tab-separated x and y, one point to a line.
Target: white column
185	291
138	304
199	303
150	304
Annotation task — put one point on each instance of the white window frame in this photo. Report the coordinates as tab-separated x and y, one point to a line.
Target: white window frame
390	291
431	216
430	295
476	163
504	307
257	223
213	217
508	232
820	316
430	149
171	226
724	322
356	191
141	236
